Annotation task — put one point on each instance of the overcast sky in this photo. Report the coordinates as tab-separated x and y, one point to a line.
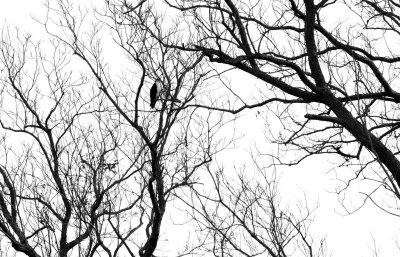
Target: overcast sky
350	235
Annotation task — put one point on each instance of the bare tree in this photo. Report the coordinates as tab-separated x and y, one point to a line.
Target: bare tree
279	232
96	168
100	166
333	88
244	216
30	210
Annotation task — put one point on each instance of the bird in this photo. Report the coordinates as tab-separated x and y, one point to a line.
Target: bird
154	93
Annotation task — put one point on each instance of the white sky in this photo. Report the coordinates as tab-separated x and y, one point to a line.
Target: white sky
346	235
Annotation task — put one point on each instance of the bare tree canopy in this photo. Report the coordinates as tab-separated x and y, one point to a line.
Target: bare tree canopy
343	76
91	164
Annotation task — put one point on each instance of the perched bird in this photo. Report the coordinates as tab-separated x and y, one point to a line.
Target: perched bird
154	94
